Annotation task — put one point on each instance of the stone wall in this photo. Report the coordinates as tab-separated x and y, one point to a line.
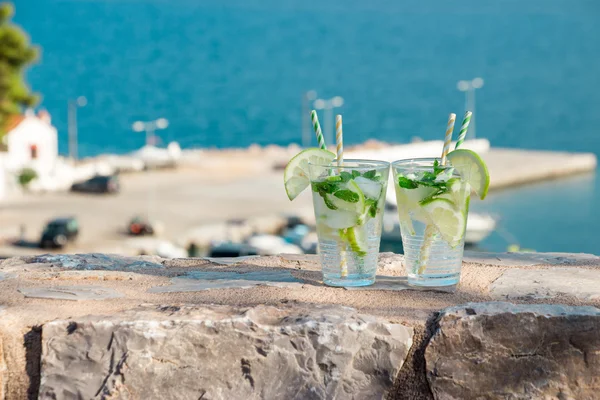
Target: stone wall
519	326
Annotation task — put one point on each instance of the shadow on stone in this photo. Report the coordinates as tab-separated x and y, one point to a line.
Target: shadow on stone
101	262
397	283
206	280
33	355
26	243
411	382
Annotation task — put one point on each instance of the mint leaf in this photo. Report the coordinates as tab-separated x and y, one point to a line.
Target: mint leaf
437	169
440	191
370	174
347	195
406	183
371	207
373	211
428	176
329	187
324	187
329	204
355	174
345	176
429	183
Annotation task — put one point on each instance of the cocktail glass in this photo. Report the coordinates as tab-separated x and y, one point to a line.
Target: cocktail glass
433	203
349	203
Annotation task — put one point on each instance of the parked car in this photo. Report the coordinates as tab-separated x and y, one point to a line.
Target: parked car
139	226
98	184
59	232
229	249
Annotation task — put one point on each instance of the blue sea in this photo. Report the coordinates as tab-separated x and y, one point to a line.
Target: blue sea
232	72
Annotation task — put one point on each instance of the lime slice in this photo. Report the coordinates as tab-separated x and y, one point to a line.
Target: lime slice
470	166
357	238
404	204
348	197
296	176
449	221
458	193
339	219
418	194
408	204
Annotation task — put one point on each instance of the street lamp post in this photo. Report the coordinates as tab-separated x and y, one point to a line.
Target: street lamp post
72	124
328	105
307	97
150	127
469	88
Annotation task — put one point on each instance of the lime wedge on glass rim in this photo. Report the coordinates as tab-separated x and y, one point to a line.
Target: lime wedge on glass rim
295	175
472	168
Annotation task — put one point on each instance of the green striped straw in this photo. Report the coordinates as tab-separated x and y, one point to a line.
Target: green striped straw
463	129
315	122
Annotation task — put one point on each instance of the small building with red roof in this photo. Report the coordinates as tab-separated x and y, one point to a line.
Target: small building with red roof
30	141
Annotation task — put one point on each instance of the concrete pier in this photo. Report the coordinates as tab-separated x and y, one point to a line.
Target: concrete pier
514	167
507	166
214	186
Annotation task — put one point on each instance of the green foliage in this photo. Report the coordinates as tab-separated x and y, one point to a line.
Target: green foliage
26	176
406	183
347	195
371	207
16	53
345	176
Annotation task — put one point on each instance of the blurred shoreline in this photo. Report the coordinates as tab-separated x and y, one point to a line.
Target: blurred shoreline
196	198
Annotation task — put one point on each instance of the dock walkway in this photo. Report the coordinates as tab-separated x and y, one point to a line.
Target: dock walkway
513	167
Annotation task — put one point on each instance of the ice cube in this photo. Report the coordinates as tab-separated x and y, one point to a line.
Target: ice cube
320	206
370	189
341	219
444	176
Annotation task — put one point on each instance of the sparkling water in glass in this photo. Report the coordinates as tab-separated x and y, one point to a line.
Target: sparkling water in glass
349	204
433	204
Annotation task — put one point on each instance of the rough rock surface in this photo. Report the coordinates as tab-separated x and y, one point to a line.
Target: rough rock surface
546	284
221	352
529	259
507	351
274	281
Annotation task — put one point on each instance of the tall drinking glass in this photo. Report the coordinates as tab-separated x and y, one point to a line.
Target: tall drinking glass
349	201
433	203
